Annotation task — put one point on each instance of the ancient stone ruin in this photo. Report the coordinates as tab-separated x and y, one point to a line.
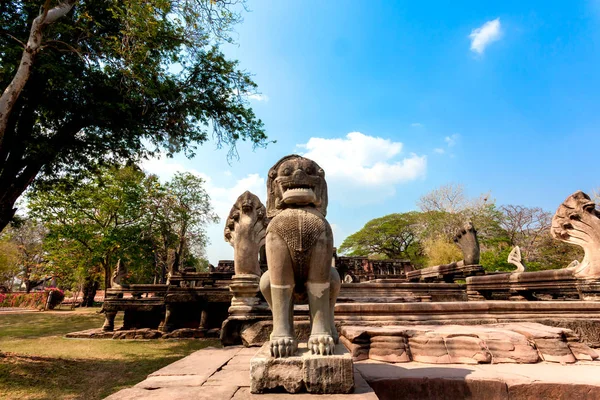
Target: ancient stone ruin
390	312
576	222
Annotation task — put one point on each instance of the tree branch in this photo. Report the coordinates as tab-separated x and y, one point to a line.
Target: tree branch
15	87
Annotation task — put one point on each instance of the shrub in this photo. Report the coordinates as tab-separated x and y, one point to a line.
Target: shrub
25	300
440	251
57	297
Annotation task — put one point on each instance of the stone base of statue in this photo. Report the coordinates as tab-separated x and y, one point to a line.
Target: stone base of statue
246	309
245	302
302	372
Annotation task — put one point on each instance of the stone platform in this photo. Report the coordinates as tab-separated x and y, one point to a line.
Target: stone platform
583	317
416	381
145	333
219	374
216	374
520	343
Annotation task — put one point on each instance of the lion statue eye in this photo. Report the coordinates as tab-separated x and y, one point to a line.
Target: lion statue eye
287	171
310	170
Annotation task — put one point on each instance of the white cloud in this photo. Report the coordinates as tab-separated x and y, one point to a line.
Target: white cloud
439	150
164	167
487	33
259	97
451	140
417	125
360	161
222	197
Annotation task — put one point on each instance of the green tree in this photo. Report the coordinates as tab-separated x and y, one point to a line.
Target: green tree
447	208
92	222
391	236
178	213
122	213
87	82
21	248
9	263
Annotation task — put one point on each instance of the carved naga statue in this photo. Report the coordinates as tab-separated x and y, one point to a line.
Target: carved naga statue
299	246
577	221
245	230
118	277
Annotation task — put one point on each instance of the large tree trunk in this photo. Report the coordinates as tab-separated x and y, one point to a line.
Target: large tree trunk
107	280
90	287
17	173
33	46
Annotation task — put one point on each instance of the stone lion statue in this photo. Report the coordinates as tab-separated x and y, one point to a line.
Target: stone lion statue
299	247
577	221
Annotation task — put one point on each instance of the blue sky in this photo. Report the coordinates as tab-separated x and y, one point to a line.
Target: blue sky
394	99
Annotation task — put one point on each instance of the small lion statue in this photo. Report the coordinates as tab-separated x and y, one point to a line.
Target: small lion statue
577	221
299	247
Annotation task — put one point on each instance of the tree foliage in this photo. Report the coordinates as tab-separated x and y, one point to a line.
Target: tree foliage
106	81
21	257
178	213
391	236
426	237
122	213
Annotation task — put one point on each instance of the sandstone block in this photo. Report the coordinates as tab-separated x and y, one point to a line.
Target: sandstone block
203	362
581	351
554	351
397	356
186	333
176	393
313	373
358	351
144	333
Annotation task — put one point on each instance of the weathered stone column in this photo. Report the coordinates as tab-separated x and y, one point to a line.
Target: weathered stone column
245	300
245	231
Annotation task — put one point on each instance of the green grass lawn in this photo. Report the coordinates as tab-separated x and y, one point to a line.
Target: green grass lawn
39	363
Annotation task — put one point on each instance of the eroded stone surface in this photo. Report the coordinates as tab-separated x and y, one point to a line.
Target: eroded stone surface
362	391
185	333
96	333
299	246
144	333
582	351
313	373
176	393
157	382
470	344
433	381
577	221
202	363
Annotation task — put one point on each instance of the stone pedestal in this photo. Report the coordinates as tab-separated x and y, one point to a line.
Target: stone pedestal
245	302
303	372
245	310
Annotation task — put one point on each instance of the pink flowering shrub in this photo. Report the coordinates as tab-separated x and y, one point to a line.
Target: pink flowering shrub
33	299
